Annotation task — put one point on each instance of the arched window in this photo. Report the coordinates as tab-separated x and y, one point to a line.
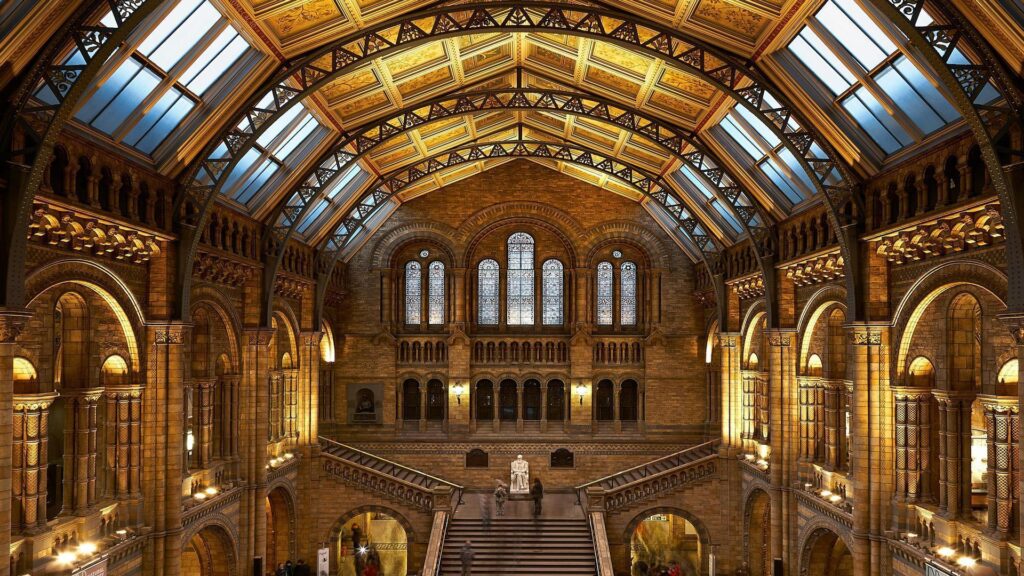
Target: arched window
413	292
487	292
627	294
605	294
519	306
436	292
551	272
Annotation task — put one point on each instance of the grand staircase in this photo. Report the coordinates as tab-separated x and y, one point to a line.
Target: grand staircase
679	459
521	546
351	455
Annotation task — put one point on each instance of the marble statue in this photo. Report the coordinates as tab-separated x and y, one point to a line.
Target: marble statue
520	476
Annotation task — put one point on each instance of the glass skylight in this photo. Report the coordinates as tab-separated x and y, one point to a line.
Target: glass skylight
870	77
149	92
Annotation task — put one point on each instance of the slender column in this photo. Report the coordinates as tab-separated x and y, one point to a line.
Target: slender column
831	424
748	409
732	390
1002	422
779	417
29	458
81	440
459	297
400	404
818	450
954	452
616	393
204	425
423	406
124	441
808	417
11	324
911	408
543	407
519	405
386	306
496	406
308	395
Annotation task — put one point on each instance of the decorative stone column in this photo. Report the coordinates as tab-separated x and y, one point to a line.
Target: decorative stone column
748	409
912	442
543	407
308	389
123	444
423	406
831	411
29	459
808	386
519	406
1002	426
203	420
954	456
616	405
731	394
81	448
226	422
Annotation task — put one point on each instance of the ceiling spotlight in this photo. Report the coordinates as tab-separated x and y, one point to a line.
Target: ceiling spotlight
966	562
945	551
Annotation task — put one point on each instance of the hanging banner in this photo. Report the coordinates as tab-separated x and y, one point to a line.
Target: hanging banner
323	562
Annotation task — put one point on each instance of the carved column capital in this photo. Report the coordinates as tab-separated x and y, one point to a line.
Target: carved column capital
33	402
11	323
311	337
259	336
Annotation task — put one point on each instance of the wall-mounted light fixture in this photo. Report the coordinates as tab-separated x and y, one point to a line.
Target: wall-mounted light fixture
458	389
580	391
190	441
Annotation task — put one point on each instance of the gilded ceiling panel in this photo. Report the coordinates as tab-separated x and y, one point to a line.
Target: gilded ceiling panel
612	82
421	84
731	19
352	109
304	16
487	59
615	57
349	85
417	59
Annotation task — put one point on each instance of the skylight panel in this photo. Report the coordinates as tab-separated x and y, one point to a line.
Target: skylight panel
312	215
810	49
157	84
856	31
873	118
167	44
306	127
905	84
214	61
697	182
277	126
759	126
740	136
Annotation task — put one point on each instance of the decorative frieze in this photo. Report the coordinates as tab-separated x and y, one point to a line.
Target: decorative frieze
57	226
222	270
972	226
816	269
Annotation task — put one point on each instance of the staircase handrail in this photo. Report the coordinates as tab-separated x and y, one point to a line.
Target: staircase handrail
438	535
393	465
600	481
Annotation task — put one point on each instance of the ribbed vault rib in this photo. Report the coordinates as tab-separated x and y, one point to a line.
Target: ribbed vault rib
388	185
202	182
673	140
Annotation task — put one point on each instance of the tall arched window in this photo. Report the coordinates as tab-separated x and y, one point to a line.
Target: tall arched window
627	294
435	307
487	292
519	305
413	292
605	294
551	275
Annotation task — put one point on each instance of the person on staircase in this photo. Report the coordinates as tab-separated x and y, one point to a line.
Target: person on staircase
466	555
537	493
500	497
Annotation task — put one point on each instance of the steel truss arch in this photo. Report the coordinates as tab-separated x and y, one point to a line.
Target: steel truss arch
386	186
943	38
322	175
64	80
202	182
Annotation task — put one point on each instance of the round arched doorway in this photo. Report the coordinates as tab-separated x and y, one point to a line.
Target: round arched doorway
664	539
372	537
826	554
758	531
209	552
280	528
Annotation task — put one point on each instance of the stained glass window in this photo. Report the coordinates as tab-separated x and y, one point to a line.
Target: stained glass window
487	293
551	276
520	279
605	293
413	292
436	288
627	294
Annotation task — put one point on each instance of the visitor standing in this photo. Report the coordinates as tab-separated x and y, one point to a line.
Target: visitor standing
500	497
537	493
485	511
466	555
302	569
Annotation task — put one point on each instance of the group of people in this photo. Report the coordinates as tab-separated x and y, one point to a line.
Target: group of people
643	569
300	568
466	553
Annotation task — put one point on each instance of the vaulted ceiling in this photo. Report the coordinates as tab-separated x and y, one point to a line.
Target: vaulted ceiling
642	110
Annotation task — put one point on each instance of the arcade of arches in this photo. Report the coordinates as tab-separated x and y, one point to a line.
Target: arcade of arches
742	281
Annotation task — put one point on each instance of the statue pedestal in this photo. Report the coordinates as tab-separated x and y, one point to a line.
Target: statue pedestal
520	496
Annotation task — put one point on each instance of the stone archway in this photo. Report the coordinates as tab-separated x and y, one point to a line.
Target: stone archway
280	512
663	536
209	552
825	553
385	537
757	533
